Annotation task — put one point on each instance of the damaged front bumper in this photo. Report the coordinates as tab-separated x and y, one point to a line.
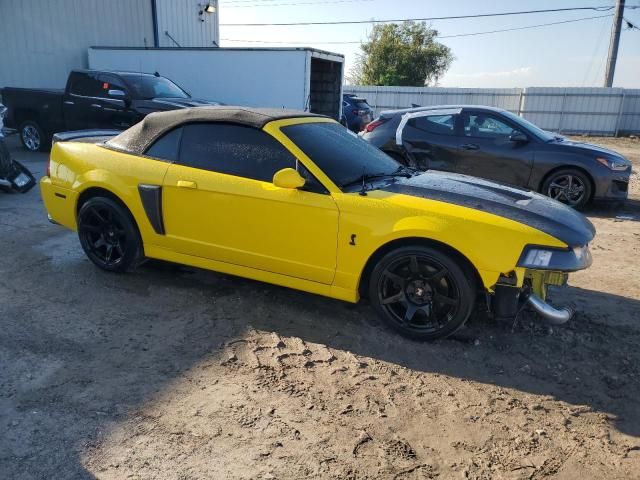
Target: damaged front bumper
542	267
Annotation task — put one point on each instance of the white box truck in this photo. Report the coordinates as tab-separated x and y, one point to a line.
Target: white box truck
297	78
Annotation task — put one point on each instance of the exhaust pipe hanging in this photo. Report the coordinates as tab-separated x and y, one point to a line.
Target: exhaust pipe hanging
550	314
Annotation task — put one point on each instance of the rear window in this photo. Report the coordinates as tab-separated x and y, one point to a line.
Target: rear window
167	146
438	124
85	85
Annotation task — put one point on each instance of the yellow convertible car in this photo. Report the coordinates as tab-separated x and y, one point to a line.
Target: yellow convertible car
296	200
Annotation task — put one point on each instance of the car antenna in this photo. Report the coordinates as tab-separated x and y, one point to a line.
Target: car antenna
156	74
363	191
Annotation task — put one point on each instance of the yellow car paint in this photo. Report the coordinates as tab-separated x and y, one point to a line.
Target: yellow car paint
307	241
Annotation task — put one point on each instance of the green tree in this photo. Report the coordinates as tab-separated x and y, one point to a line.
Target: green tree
404	54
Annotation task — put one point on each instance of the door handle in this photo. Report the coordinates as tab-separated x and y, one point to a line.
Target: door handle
69	102
95	105
470	146
187	184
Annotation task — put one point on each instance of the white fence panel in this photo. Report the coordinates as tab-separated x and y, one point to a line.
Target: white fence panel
630	115
573	110
387	98
598	111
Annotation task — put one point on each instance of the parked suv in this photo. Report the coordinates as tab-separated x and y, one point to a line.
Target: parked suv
496	144
356	112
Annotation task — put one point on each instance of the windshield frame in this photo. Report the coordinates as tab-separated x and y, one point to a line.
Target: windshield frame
529	127
128	80
393	171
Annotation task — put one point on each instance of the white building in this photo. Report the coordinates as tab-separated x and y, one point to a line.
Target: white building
42	40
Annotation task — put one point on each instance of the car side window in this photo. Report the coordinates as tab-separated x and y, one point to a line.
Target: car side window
233	150
167	146
481	125
438	124
85	85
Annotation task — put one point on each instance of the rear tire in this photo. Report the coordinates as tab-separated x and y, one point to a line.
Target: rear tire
33	138
421	292
108	235
569	186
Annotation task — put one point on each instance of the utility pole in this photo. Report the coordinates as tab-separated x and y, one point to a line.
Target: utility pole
613	44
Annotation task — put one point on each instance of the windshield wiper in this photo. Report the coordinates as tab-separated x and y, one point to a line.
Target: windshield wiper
401	171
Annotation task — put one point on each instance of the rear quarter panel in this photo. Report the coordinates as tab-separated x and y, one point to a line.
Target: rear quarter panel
76	167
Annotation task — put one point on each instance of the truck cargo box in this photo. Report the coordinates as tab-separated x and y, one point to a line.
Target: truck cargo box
295	78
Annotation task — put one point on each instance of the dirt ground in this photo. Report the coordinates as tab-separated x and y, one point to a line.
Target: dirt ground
177	373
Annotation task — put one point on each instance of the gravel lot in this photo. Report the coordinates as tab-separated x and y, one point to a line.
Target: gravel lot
177	373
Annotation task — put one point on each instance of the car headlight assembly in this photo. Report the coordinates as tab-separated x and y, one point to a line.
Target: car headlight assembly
615	165
548	258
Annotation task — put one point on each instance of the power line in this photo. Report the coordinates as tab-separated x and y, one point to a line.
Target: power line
525	28
293	4
454	17
440	37
592	62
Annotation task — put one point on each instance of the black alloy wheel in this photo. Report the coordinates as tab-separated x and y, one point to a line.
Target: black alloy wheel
422	293
568	186
108	235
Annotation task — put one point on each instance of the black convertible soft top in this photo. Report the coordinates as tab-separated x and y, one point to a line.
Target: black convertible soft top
137	139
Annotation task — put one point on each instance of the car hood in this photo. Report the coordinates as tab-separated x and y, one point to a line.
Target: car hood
162	104
520	205
590	148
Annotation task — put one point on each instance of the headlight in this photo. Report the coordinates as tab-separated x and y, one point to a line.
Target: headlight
564	260
616	165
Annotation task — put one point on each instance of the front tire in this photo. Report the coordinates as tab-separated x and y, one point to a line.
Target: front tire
33	138
421	292
108	235
569	186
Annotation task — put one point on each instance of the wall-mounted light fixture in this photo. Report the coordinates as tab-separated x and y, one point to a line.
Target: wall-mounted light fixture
205	8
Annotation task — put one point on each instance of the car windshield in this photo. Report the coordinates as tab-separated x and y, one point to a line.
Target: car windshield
341	155
146	87
542	134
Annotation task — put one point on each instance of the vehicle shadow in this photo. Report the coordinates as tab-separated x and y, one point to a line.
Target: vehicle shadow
593	360
630	211
85	348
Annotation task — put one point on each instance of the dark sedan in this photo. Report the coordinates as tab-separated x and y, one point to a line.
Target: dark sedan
496	144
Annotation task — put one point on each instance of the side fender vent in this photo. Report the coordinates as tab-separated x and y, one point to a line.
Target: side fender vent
151	196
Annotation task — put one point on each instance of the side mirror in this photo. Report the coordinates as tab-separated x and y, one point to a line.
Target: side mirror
518	137
288	178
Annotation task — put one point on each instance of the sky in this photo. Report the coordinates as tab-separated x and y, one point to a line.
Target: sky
570	54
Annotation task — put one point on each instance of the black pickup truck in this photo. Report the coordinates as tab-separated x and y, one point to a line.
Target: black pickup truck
92	99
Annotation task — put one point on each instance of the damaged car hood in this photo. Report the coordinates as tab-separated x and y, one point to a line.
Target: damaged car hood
520	205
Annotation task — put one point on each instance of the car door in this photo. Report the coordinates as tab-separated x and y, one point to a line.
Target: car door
80	103
220	203
486	149
114	110
429	141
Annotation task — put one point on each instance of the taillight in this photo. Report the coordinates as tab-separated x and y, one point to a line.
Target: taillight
375	124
